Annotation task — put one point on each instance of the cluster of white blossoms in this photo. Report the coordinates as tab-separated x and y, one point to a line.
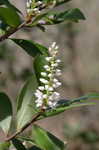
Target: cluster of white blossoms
46	95
33	9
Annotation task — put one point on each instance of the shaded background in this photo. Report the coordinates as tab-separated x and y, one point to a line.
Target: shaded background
80	66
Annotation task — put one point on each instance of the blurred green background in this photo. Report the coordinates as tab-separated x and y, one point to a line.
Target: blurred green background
80	66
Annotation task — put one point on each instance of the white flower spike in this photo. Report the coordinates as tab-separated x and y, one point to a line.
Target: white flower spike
46	95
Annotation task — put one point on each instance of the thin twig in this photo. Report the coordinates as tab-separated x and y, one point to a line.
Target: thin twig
11	31
24	127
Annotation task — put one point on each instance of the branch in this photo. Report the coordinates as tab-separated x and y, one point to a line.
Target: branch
24	127
10	32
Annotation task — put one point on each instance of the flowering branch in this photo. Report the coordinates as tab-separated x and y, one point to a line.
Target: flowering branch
31	12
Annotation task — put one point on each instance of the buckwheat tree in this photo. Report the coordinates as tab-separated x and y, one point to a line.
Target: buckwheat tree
38	99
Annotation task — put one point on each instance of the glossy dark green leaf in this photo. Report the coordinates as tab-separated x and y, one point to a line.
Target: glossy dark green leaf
4	145
45	140
25	101
31	47
18	144
5	112
9	16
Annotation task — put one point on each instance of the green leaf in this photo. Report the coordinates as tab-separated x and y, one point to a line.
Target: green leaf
24	100
46	140
86	97
18	144
64	105
9	16
5	112
4	145
62	109
31	47
71	15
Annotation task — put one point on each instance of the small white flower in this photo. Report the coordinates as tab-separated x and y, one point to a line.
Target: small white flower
54	65
50	88
35	9
57	84
46	87
53	45
28	4
54	104
50	75
41	88
56	95
39	3
45	96
58	61
47	68
55	80
38	94
43	80
50	103
48	58
56	47
44	74
30	1
58	72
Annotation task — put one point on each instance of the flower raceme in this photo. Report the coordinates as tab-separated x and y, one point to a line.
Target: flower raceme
33	7
46	95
